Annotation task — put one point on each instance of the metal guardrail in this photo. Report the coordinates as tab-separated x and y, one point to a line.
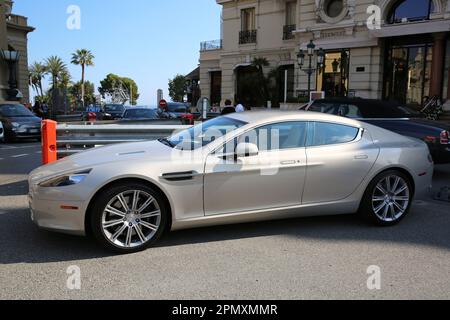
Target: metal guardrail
72	139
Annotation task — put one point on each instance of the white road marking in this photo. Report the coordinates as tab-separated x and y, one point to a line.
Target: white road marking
20	155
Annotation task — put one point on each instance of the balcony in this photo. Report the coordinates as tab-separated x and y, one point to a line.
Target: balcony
211	45
249	36
288	31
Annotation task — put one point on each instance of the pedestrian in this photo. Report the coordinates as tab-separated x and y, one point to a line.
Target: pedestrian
228	108
240	108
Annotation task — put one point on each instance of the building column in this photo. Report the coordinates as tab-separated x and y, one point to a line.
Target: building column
436	66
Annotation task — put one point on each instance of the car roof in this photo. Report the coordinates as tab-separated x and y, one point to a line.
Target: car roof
255	117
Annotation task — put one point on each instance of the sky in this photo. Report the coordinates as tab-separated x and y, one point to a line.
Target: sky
149	41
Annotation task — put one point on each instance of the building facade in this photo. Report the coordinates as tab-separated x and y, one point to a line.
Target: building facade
406	59
14	31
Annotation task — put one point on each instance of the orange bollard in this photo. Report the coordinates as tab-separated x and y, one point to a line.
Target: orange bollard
49	151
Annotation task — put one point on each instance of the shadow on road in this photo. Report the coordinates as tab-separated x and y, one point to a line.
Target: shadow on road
22	242
14	189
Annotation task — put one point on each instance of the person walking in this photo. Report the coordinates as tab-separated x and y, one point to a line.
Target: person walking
228	108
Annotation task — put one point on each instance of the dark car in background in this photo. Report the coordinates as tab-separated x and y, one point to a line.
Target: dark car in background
174	110
113	112
19	123
138	113
394	117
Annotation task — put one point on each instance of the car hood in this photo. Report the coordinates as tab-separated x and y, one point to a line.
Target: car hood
152	151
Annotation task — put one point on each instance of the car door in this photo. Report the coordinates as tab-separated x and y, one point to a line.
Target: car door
339	157
274	178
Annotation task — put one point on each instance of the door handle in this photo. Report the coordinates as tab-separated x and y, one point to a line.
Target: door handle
288	162
362	157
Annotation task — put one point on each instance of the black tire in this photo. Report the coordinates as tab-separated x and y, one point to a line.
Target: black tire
367	209
101	202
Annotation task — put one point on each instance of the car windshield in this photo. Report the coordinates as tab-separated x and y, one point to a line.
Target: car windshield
15	111
203	134
140	113
114	108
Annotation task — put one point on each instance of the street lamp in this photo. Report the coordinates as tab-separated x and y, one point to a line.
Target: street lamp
335	66
311	50
11	57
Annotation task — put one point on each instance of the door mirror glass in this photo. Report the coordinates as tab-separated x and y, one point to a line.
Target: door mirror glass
246	150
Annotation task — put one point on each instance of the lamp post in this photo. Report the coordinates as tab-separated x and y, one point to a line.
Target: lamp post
11	57
335	66
310	52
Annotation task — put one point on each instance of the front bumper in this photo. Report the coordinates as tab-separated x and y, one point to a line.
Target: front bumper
57	215
25	133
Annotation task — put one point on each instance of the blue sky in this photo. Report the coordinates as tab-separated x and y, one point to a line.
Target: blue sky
147	40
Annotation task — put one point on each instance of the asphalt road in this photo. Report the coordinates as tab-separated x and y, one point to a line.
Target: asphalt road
312	258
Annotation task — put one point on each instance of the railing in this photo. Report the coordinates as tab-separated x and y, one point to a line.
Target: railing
72	139
211	45
248	36
288	31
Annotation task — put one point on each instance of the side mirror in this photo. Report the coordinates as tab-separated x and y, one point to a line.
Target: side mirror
246	150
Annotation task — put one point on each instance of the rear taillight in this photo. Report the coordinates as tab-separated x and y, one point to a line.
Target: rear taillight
445	137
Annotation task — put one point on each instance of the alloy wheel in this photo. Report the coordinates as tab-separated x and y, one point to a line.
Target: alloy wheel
131	219
390	199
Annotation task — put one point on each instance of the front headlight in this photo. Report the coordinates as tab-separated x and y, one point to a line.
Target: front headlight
66	180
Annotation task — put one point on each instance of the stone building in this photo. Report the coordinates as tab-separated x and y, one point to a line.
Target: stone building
407	59
14	30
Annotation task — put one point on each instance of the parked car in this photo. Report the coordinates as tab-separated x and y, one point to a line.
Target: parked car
2	135
113	111
19	123
238	168
138	113
174	110
393	117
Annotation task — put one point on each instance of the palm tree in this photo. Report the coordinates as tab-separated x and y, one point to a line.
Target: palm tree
261	63
37	72
83	58
56	67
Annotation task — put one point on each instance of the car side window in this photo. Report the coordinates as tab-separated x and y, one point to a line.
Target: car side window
322	134
324	107
278	136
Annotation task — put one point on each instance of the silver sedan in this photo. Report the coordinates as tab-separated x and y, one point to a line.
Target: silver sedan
238	168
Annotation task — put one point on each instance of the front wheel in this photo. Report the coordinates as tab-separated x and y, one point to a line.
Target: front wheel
388	198
129	218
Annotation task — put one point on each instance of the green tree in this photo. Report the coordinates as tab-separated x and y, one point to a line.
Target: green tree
37	72
83	58
119	88
75	91
177	88
57	68
261	63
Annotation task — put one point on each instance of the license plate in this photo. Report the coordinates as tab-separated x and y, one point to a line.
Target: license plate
34	131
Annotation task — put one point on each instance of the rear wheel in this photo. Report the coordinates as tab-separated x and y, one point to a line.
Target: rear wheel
129	218
387	199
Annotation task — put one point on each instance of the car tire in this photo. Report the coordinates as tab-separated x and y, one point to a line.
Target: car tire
388	199
106	218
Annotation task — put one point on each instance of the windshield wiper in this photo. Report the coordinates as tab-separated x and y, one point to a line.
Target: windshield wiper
167	142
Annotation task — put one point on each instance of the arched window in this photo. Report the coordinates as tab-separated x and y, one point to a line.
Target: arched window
411	10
